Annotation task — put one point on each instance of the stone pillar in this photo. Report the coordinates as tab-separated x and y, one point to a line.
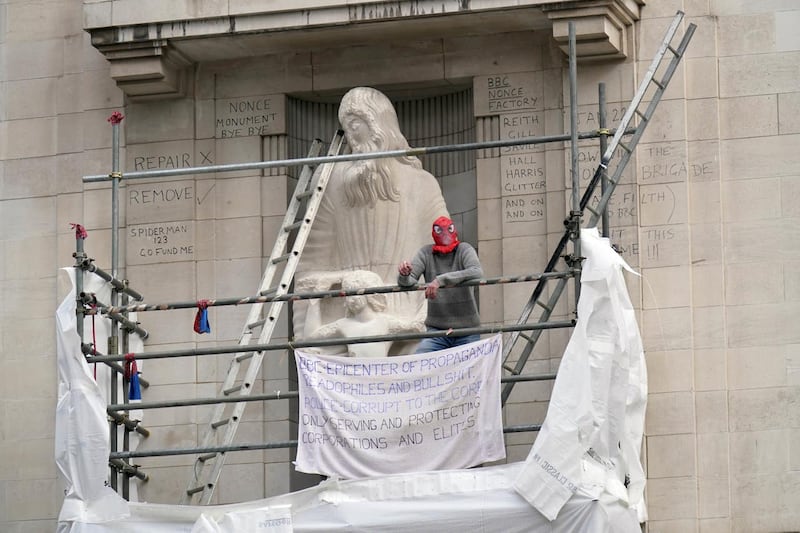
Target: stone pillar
512	207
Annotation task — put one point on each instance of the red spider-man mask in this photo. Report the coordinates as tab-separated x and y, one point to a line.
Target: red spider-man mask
444	235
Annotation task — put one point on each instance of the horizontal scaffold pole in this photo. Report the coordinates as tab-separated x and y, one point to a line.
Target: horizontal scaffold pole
129	423
93	305
88	349
254	446
288	395
128	469
258	165
337	293
221	350
88	265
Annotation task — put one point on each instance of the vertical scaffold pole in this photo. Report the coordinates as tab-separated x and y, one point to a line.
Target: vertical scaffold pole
575	213
126	383
603	130
113	340
80	255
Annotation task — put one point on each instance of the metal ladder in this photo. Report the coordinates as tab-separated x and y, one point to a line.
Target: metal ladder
225	419
597	211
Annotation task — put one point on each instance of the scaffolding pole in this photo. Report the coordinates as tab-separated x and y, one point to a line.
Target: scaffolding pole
222	350
336	293
88	265
601	122
207	452
261	165
117	409
575	213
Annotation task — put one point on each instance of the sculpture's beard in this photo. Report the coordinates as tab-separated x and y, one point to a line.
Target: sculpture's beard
366	182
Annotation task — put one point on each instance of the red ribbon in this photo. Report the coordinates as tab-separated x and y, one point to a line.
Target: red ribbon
130	366
201	324
116	117
80	231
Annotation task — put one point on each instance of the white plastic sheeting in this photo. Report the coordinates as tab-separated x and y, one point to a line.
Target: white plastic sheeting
454	501
82	430
592	434
589	443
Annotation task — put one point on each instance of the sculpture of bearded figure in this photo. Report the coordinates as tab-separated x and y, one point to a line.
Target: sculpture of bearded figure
375	213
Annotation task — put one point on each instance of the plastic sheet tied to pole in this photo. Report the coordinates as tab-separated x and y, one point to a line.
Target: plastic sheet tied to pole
592	434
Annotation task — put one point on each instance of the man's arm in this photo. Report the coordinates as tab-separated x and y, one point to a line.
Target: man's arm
470	267
410	272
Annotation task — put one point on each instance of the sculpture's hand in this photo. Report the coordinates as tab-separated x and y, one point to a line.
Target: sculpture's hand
432	289
405	268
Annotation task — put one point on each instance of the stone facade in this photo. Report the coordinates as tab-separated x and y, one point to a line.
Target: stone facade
697	213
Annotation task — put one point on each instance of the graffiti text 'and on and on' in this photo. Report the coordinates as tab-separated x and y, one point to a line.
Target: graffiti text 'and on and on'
524	208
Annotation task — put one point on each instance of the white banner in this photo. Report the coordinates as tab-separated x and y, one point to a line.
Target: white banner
363	417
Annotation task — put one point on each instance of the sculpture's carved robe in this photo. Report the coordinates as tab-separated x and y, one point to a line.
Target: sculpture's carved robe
370	238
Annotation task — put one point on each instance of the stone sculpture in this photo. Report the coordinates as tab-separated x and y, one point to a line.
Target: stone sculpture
374	214
365	315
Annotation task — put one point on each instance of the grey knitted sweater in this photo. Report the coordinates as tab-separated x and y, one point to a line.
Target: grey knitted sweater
452	308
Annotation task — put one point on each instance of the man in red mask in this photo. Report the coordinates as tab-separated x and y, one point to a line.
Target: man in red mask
447	262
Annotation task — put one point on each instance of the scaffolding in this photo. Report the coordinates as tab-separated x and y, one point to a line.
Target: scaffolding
125	300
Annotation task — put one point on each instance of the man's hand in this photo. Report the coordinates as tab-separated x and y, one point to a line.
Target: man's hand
405	268
431	289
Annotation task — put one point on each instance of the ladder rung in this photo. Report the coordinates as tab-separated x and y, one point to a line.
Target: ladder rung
244	356
197	489
281	258
643	116
268	292
594	212
526	337
292	227
206	457
659	84
256	324
235	388
305	194
220	423
673	50
541	303
625	147
511	369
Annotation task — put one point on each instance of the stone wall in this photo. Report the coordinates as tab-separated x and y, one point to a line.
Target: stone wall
705	212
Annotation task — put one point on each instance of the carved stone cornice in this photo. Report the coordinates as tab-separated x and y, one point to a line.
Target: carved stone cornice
148	69
602	27
153	57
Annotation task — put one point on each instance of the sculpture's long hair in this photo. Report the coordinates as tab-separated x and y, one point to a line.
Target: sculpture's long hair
366	182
